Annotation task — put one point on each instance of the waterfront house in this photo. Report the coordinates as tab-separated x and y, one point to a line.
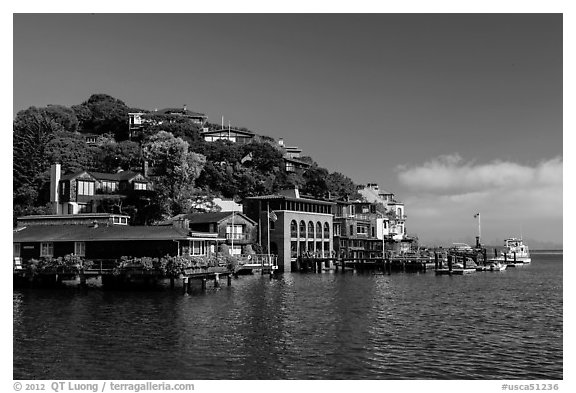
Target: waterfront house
356	229
395	215
86	192
238	230
105	236
292	225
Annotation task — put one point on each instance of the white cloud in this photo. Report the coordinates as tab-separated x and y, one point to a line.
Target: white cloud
447	191
449	173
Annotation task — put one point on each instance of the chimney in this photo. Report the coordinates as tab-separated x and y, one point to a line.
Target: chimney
55	173
281	141
145	168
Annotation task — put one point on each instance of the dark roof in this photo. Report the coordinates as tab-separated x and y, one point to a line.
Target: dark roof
65	233
287	198
72	175
120	176
225	130
180	111
298	162
212	217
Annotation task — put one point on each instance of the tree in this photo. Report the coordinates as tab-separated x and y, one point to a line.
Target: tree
32	133
315	182
176	169
112	155
341	186
102	114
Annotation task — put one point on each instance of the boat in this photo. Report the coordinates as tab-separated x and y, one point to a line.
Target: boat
497	266
515	253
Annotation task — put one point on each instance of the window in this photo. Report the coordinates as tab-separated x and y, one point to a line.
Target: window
108	186
362	230
318	230
373	232
293	229
302	229
140	186
234	232
293	249
47	249
336	229
326	230
198	247
85	187
310	229
80	249
84	208
351	230
16	250
124	220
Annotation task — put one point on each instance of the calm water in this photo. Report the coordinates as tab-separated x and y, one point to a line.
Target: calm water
488	325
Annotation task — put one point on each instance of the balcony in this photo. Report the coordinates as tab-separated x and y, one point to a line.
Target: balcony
236	236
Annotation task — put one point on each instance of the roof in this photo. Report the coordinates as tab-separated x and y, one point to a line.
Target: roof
180	111
225	130
86	216
287	198
72	175
120	176
296	161
66	233
212	217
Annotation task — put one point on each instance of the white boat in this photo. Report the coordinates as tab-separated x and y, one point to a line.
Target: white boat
515	253
497	266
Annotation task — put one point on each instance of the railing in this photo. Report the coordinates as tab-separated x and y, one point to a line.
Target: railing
236	236
254	260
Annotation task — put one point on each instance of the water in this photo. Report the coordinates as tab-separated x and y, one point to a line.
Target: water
489	325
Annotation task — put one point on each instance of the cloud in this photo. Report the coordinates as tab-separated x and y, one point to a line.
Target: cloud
449	173
445	192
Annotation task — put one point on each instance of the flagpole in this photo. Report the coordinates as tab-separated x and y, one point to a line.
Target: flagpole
268	227
232	234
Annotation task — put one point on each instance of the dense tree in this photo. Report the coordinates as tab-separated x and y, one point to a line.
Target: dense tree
176	169
70	150
179	126
342	187
102	114
111	156
315	182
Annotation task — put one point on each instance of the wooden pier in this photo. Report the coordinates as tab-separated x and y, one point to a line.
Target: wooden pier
397	264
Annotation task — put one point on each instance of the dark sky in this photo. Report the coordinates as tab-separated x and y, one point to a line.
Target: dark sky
379	97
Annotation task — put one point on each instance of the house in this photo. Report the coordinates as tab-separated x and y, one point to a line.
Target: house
291	157
137	120
101	237
357	226
238	230
395	213
228	134
85	192
291	225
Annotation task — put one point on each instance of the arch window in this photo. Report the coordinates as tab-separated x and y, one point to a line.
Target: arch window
302	229
293	229
326	230
310	229
318	230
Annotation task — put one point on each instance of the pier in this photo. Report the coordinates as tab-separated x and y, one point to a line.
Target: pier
389	264
106	273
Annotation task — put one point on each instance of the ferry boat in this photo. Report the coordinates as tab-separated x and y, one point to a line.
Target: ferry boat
515	253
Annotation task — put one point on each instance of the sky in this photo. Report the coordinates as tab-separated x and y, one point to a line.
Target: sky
454	113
